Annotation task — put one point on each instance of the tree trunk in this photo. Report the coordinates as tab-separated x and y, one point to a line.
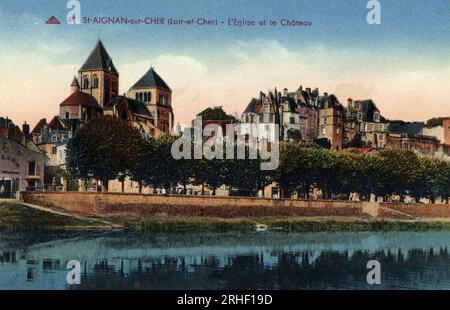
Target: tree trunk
140	187
123	186
214	191
105	185
203	189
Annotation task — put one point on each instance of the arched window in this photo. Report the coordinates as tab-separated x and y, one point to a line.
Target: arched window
85	81
67	115
149	95
145	97
95	81
137	96
140	96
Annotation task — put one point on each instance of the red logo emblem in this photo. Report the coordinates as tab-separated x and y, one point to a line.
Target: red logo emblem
53	21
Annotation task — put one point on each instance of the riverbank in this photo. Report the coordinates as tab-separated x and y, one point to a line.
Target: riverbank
18	216
287	224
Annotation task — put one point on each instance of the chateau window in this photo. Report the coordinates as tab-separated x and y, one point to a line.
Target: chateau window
54	150
360	116
67	115
381	127
145	97
32	168
95	81
137	96
292	120
85	81
366	127
376	117
149	96
55	139
140	97
381	137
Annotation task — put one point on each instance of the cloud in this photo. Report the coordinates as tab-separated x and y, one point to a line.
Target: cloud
403	84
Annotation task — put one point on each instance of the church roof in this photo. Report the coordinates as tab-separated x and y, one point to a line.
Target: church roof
75	82
83	99
136	107
99	59
151	79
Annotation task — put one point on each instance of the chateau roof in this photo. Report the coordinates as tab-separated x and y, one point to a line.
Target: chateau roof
56	124
99	59
83	99
39	126
252	107
406	127
151	79
136	107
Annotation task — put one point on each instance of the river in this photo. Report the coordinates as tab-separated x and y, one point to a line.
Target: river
233	260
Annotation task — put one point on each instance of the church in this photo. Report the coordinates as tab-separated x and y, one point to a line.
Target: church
95	91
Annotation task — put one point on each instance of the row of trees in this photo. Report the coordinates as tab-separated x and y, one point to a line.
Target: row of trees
108	149
389	172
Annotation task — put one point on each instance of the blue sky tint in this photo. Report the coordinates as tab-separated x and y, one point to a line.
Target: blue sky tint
413	37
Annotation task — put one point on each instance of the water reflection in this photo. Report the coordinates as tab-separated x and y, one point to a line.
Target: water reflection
225	261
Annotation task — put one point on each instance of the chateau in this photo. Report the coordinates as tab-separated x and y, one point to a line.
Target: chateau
95	91
310	116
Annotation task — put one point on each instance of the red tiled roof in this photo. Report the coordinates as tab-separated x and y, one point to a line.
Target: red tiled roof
79	98
364	149
56	124
39	126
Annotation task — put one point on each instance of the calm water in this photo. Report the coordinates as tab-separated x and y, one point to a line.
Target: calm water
409	260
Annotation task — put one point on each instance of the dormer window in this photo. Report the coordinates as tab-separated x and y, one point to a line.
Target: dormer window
376	117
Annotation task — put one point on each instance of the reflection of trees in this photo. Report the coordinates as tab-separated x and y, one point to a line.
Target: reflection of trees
327	270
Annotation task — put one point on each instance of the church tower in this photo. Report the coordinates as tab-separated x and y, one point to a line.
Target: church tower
157	95
98	76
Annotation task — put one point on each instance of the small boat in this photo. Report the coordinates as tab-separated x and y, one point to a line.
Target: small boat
261	227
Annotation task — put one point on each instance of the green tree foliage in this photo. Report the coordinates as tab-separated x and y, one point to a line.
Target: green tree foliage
105	148
217	114
156	166
245	175
435	122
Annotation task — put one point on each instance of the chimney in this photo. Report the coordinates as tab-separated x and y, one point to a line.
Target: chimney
350	102
325	94
285	92
26	131
11	131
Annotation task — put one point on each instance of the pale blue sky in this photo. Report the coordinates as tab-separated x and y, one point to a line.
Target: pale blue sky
226	66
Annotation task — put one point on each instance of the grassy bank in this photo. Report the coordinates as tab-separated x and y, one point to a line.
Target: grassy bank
275	224
20	217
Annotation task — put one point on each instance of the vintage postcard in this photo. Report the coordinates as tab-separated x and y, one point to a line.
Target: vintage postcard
197	147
